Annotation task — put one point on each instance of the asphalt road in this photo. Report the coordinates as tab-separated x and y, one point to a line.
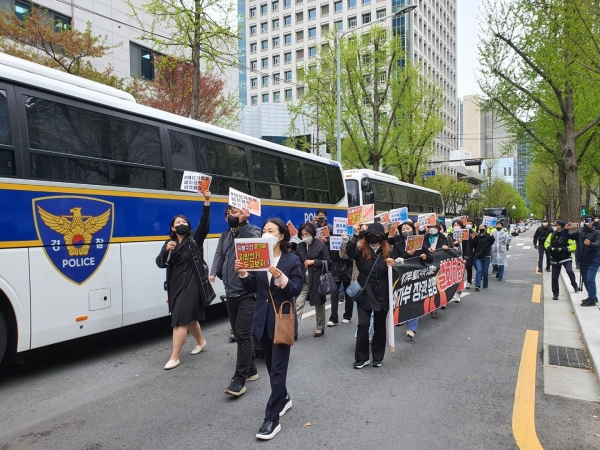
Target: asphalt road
453	387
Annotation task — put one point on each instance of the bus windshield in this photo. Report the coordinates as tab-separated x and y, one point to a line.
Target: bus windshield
353	193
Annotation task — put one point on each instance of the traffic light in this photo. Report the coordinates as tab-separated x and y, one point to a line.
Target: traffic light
583	211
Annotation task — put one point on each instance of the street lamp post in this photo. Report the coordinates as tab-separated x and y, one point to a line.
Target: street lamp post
400	12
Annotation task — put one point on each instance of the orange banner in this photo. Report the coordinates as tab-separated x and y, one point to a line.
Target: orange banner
361	214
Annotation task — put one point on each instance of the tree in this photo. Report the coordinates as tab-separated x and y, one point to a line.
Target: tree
454	193
500	194
542	191
390	111
200	31
540	82
172	91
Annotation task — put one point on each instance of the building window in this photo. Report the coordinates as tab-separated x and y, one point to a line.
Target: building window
288	75
264	63
264	27
287	3
299	17
299	92
338	6
253	47
312	33
324	10
253	65
339	26
265	80
254	100
276	24
253	83
287	21
366	2
324	29
264	10
312	14
142	61
287	39
276	42
312	53
288	95
265	98
300	36
287	58
252	12
381	13
276	97
351	4
275	6
366	18
351	22
276	59
264	45
252	30
276	78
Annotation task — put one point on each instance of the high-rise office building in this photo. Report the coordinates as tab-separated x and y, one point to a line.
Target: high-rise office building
279	36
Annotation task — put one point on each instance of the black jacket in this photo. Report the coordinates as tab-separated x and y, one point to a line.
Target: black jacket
541	234
341	268
482	245
400	250
441	241
319	252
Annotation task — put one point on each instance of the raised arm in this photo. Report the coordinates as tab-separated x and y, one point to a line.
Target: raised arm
201	230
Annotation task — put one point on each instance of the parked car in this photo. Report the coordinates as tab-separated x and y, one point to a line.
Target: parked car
514	230
521	228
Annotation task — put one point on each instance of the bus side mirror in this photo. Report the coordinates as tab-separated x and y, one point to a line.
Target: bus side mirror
369	198
365	185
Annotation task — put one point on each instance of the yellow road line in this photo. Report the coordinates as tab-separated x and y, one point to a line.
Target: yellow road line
523	418
537	293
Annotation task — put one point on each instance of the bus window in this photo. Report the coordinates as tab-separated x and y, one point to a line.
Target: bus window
399	196
7	163
271	172
353	193
316	179
336	184
383	196
5	133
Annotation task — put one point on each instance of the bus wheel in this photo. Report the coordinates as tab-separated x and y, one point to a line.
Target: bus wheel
3	336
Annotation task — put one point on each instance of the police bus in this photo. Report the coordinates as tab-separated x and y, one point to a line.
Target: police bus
89	181
387	192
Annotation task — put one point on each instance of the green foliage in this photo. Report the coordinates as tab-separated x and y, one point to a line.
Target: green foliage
455	193
542	191
501	194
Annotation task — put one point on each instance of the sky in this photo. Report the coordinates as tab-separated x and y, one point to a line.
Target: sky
467	13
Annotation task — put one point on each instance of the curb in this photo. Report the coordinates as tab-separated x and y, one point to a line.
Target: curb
588	319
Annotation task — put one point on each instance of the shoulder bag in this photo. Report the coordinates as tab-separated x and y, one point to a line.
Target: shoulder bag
284	323
327	284
355	291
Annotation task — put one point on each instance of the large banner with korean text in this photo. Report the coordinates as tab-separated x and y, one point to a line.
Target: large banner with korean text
419	288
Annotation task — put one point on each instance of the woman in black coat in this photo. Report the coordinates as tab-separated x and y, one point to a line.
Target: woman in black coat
482	254
187	284
371	250
283	281
312	253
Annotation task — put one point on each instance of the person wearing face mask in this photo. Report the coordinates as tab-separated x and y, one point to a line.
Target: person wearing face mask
370	250
240	304
469	254
312	253
320	220
560	246
482	251
499	249
539	238
588	239
187	285
435	239
282	282
596	224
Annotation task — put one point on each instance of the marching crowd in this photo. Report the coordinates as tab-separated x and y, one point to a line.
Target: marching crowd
258	300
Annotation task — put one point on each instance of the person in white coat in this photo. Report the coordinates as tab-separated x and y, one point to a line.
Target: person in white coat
499	250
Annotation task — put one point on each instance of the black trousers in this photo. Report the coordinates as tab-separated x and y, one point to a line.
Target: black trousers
541	252
361	353
556	273
470	274
241	312
277	358
335	301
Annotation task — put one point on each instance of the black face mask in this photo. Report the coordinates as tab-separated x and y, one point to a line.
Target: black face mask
182	229
481	231
233	221
373	239
407	233
498	228
322	221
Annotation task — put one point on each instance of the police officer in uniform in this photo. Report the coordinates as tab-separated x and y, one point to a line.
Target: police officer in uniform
539	238
560	247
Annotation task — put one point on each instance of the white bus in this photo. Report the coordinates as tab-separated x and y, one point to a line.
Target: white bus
387	192
89	181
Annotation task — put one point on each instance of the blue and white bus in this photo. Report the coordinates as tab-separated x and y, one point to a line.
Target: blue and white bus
89	181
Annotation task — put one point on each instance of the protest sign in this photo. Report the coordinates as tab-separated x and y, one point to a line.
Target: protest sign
399	215
195	182
240	200
384	217
323	232
427	220
340	225
292	228
489	221
393	227
461	234
419	289
414	242
335	242
256	253
350	231
361	214
461	219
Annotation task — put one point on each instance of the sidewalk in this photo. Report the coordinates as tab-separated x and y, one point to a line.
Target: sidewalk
587	317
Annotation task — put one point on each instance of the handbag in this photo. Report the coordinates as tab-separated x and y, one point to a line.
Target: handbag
327	284
355	291
284	323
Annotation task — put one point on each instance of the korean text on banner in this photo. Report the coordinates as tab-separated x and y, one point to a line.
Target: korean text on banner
255	254
399	215
462	234
340	225
489	221
461	219
240	200
384	217
195	182
393	227
335	242
322	232
292	228
414	242
361	214
427	220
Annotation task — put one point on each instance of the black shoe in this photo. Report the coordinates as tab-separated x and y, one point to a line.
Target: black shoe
342	299
589	304
361	364
576	289
583	302
232	337
287	404
555	297
236	389
547	269
477	288
376	363
268	430
319	334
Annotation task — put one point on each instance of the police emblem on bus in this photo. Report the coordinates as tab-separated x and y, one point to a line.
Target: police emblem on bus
75	233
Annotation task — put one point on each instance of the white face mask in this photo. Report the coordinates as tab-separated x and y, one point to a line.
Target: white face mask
308	240
456	228
582	224
433	231
274	240
469	226
596	220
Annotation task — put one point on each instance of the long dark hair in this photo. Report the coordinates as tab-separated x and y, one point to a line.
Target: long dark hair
309	228
172	233
284	244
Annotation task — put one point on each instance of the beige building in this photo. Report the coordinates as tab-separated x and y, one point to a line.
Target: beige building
470	132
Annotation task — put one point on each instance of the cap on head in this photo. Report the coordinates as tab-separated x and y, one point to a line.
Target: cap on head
375	228
560	223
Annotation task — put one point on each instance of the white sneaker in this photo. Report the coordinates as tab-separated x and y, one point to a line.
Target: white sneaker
199	348
331	324
410	334
468	285
171	364
345	321
456	298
